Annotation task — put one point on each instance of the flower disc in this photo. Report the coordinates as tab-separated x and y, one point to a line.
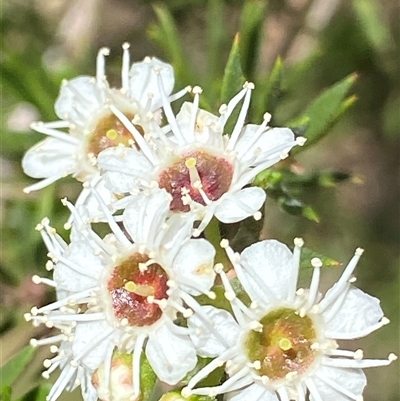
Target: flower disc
284	344
110	132
132	285
213	173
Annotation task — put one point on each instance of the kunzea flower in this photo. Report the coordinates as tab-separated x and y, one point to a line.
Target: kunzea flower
89	124
128	289
284	343
204	170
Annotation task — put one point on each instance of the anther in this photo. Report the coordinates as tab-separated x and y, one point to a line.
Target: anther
197	90
224	243
299	242
358	355
218	268
257	216
316	262
359	251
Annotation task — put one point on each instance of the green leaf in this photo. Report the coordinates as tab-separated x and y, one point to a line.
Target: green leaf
5	394
247	234
233	76
14	367
307	255
147	379
371	16
166	36
253	15
270	91
213	379
216	38
326	110
37	394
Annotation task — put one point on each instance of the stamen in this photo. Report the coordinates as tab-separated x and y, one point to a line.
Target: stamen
298	243
101	64
44	129
125	66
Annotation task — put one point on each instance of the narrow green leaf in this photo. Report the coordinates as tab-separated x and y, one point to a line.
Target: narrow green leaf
310	214
307	255
253	15
247	234
14	367
326	110
216	37
37	394
371	17
233	76
269	92
147	379
213	379
166	36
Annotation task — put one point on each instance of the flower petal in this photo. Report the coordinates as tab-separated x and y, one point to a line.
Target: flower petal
239	205
144	216
87	341
357	312
247	145
49	157
80	99
254	392
143	80
195	262
80	254
121	168
352	380
270	262
205	341
170	355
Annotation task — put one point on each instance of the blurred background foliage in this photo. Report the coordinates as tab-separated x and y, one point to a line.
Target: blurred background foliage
338	192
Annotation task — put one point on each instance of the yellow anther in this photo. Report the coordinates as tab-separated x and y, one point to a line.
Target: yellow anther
112	134
284	344
190	162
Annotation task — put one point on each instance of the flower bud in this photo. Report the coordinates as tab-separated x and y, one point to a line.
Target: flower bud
120	386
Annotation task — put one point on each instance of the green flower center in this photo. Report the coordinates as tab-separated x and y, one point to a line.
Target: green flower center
283	345
133	285
110	132
194	172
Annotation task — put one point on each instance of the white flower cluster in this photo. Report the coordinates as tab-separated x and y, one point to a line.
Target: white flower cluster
157	179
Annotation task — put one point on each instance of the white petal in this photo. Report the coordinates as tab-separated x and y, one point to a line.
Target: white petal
171	356
143	80
195	261
353	380
239	205
269	139
49	157
89	392
206	343
80	99
254	392
357	312
270	262
81	254
205	123
85	338
145	214
121	167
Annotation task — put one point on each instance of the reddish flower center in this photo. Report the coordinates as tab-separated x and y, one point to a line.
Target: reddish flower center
196	172
283	345
132	286
110	132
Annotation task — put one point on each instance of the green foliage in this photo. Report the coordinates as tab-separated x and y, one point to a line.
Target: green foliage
177	396
214	379
5	393
324	112
37	394
252	19
14	367
165	34
307	255
147	379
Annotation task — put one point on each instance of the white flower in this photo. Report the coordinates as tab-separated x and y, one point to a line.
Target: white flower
284	344
129	288
88	124
200	167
